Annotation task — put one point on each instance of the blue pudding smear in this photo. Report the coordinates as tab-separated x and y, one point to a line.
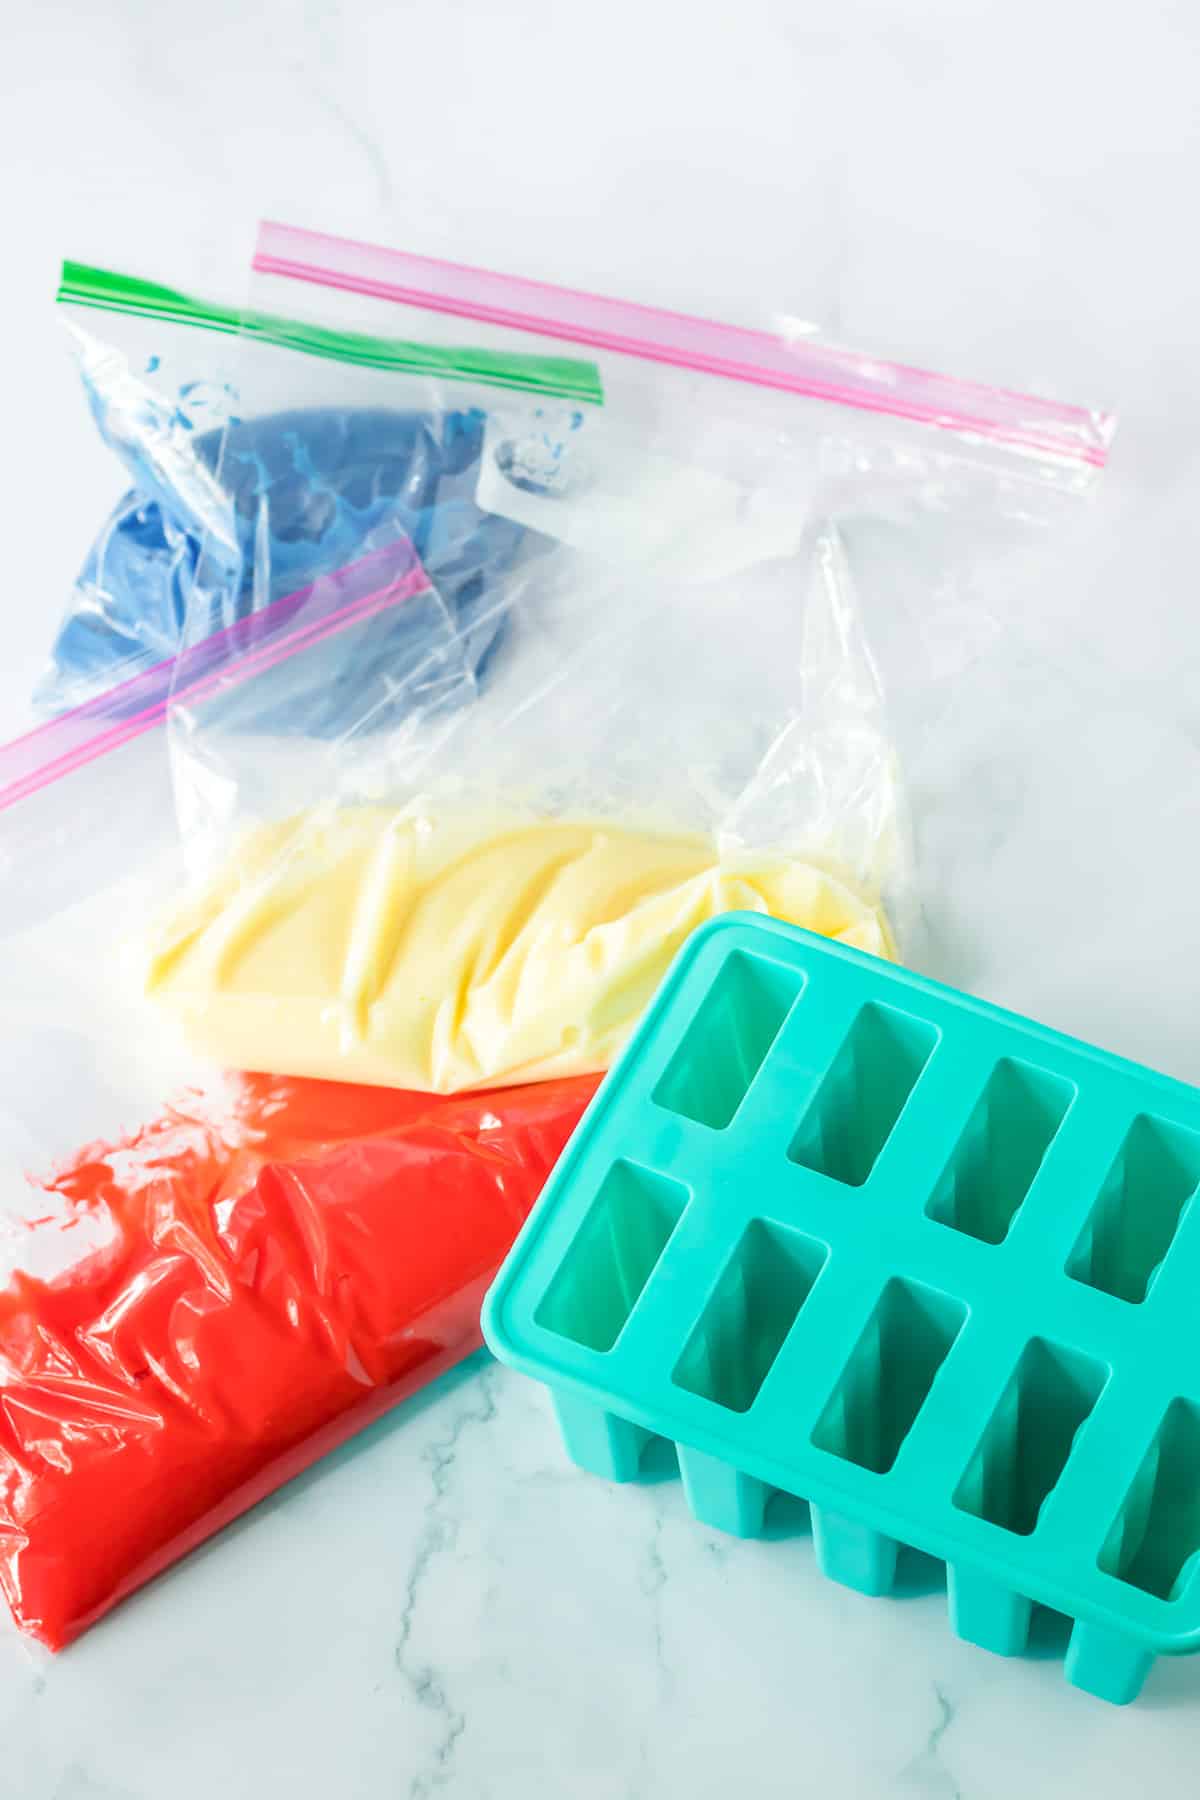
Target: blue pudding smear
303	493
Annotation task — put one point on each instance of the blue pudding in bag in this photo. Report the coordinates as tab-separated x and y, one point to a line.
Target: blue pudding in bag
303	493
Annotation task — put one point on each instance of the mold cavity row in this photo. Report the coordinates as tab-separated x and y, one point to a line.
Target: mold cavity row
1133	1223
749	1315
1154	1543
998	1156
863	1093
741	1331
1026	1443
1001	1149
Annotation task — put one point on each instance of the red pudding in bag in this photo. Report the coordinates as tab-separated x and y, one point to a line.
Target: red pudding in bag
279	1269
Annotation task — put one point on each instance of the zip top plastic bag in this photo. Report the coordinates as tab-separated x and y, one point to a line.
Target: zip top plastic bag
266	1270
158	369
207	1279
752	545
62	841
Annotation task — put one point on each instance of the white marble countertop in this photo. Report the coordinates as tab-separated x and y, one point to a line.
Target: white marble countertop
1006	192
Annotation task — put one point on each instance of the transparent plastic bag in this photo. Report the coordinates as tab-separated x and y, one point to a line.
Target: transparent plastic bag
252	1282
158	369
207	1279
761	574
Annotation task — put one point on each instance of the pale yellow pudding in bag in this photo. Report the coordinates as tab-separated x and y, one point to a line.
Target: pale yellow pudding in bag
437	952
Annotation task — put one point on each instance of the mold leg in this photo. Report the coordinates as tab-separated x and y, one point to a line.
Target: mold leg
721	1495
988	1614
1105	1664
597	1440
853	1554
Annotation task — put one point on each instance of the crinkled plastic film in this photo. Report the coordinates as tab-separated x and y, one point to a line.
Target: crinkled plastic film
207	1279
272	1267
164	381
750	586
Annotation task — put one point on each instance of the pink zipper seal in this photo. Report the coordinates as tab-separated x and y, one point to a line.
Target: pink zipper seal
817	371
331	603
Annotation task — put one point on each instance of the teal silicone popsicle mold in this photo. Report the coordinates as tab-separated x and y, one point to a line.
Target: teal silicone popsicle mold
840	1231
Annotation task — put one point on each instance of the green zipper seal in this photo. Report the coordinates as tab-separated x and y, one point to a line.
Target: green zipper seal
565	377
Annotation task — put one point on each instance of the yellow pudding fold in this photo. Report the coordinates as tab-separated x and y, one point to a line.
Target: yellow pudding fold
443	953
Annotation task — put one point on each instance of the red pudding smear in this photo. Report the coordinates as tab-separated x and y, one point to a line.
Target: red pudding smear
283	1269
